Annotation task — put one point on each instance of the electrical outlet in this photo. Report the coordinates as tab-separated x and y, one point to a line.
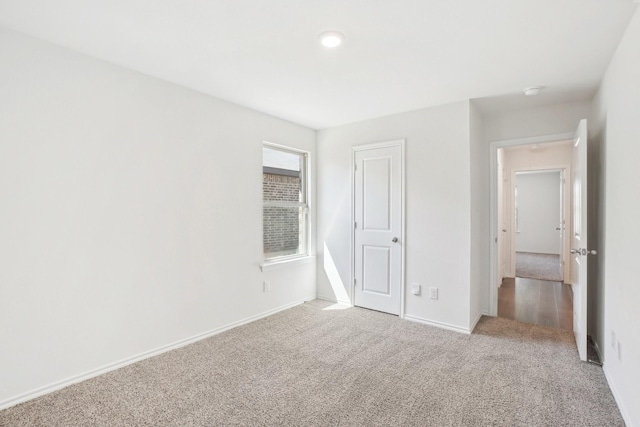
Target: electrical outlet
415	288
266	286
433	293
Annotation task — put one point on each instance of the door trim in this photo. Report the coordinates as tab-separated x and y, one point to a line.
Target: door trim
363	147
493	200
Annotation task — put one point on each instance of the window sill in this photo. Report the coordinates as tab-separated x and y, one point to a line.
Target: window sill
276	265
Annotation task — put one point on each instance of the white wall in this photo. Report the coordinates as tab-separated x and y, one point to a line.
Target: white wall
480	239
539	212
616	130
540	121
437	208
130	215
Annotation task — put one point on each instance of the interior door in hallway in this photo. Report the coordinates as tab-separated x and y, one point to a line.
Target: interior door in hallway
579	240
378	226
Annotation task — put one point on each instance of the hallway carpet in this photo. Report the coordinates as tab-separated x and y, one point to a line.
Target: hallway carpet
538	266
318	365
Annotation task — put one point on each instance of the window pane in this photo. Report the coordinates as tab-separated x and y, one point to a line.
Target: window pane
284	230
282	176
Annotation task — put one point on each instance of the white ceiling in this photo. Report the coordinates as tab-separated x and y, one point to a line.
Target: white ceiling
398	55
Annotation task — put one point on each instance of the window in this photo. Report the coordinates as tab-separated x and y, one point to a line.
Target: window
285	207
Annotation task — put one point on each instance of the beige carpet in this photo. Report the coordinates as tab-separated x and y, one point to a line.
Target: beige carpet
355	367
538	266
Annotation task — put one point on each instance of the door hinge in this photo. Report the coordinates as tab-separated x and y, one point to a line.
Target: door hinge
354	281
355	166
355	225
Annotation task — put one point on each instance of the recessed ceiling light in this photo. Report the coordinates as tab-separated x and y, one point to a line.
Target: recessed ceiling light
331	38
531	91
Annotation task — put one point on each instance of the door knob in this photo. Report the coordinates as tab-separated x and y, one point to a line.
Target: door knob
584	251
557	228
394	240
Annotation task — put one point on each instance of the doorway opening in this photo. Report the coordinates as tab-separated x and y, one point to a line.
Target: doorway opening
575	245
532	206
539	219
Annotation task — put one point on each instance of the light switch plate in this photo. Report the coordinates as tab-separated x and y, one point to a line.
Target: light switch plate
415	288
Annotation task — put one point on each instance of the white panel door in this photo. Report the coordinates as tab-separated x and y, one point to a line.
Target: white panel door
579	241
378	228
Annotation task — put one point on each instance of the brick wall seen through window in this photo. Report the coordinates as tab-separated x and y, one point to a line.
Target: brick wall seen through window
284	202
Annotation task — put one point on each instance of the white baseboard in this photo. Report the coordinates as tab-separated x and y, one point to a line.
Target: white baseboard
41	391
597	347
440	325
326	298
475	322
616	396
333	299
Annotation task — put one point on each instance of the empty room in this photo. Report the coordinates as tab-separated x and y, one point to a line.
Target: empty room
287	212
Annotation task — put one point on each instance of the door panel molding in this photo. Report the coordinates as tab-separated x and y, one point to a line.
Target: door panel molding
372	201
377	277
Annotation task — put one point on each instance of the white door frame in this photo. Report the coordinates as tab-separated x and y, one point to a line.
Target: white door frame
565	170
494	227
354	149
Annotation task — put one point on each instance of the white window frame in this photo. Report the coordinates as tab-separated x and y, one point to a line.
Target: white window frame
304	176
